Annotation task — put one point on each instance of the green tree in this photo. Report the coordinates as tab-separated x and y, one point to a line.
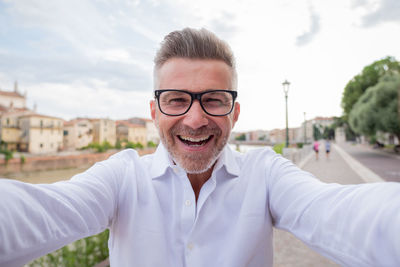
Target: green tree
329	132
316	132
377	109
241	137
369	76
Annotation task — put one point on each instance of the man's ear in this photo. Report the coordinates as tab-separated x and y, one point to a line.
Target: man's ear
236	112
153	109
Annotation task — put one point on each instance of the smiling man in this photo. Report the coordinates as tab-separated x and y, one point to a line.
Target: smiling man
196	202
195	112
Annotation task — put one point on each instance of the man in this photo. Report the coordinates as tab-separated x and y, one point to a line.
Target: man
195	202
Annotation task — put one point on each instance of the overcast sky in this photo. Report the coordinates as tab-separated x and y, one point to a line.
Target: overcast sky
94	58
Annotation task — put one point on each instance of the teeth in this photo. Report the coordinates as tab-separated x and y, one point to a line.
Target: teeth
191	139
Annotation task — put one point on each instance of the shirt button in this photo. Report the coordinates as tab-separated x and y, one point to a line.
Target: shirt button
190	246
188	202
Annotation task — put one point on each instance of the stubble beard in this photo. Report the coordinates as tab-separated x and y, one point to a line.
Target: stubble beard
194	163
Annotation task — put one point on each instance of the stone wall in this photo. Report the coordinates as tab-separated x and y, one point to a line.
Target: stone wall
42	163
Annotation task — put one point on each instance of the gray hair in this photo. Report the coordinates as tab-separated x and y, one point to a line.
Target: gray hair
194	44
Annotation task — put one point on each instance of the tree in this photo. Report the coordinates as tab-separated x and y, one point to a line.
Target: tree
369	76
241	137
317	132
377	109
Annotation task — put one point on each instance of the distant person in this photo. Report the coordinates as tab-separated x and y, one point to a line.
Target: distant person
195	201
327	148
316	148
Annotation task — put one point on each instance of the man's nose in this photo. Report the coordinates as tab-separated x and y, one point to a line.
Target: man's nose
196	117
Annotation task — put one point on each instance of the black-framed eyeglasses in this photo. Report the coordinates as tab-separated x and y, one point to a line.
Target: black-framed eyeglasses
173	102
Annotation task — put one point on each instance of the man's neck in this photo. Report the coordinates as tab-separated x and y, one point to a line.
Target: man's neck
198	180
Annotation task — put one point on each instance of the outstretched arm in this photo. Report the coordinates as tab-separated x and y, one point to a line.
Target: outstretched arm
37	219
354	225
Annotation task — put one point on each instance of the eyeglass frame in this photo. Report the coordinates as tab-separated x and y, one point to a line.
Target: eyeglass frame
195	96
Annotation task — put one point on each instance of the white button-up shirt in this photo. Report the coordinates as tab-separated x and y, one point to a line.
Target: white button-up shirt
150	208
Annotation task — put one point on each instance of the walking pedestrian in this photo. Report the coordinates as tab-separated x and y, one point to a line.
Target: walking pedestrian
327	148
316	149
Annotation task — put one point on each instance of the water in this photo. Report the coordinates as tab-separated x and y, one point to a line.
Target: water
45	177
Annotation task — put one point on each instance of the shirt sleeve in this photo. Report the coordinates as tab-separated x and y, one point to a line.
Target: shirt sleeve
354	225
37	219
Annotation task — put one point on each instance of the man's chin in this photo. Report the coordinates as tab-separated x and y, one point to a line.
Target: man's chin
195	166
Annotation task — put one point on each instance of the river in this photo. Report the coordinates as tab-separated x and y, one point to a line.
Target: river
45	177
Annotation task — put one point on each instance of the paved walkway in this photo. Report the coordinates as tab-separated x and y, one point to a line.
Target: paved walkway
288	250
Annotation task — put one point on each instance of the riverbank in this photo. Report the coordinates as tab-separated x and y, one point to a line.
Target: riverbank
56	162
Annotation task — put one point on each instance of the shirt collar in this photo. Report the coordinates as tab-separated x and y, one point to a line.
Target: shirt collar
228	160
162	161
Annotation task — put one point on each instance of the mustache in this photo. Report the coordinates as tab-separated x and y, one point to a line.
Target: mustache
204	130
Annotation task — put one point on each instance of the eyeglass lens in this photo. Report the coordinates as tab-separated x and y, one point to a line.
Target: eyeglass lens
178	102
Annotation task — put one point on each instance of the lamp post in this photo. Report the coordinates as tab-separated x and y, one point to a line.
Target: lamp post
285	85
305	131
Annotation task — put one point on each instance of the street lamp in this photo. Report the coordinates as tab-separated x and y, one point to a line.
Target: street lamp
305	131
285	85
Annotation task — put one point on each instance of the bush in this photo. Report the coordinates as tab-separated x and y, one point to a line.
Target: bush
278	148
22	159
99	147
118	145
7	154
85	252
151	144
300	145
133	145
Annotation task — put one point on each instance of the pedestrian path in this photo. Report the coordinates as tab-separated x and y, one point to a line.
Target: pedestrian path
288	250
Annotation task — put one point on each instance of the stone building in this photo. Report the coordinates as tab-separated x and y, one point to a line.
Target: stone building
40	133
152	132
104	130
77	133
136	133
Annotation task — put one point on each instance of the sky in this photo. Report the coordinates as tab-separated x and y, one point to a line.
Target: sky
94	58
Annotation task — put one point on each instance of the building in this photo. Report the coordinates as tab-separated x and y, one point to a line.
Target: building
135	133
152	132
104	130
278	136
40	133
258	135
77	133
10	130
10	100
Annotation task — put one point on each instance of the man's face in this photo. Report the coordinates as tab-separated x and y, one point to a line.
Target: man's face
194	139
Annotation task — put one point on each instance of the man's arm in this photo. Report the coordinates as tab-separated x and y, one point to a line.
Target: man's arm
37	219
354	225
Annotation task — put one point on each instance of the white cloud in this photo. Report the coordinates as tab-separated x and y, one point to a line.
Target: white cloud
314	28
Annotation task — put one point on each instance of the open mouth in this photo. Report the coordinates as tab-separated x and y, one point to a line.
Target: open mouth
195	141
